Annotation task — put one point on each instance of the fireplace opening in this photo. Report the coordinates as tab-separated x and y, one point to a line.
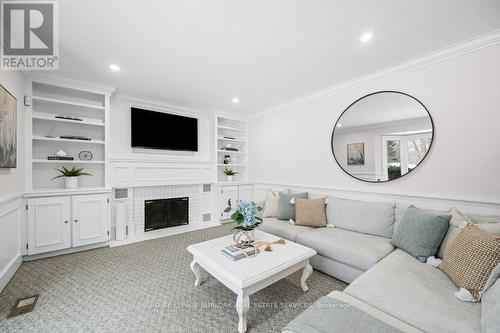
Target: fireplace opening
165	213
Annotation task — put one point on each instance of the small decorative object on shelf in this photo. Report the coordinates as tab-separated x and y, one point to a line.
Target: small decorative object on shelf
71	176
60	156
61	153
246	217
228	147
68	118
85	155
227	159
230	173
75	137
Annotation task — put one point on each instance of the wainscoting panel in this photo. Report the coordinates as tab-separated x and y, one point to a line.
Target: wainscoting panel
11	217
132	174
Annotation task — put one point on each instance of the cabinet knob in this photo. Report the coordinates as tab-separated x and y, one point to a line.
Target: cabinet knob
66	222
76	220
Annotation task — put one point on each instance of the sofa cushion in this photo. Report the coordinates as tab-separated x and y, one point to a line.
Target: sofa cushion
348	247
374	218
420	233
281	228
416	293
310	212
490	309
286	210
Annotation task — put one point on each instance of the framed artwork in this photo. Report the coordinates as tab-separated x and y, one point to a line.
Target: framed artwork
8	129
355	154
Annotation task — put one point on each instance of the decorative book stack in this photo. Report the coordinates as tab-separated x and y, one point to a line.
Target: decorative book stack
234	253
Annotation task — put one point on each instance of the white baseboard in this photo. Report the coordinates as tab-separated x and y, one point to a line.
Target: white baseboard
9	271
65	251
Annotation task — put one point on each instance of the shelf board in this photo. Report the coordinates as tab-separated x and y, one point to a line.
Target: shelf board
51	117
231	128
42	138
60	101
51	191
230	152
232	140
231	165
67	161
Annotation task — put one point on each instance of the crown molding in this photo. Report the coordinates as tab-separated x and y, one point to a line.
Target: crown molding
455	50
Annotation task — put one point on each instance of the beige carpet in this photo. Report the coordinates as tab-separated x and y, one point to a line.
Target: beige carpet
146	287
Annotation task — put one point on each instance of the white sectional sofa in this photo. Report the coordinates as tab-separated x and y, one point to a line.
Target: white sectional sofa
386	283
361	236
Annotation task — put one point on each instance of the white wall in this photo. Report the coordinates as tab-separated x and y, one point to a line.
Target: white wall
291	144
11	187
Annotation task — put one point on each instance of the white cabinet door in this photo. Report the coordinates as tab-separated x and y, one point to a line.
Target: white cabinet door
48	224
245	193
90	219
228	200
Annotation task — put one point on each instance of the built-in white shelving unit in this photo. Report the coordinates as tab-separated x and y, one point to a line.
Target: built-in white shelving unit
233	132
45	132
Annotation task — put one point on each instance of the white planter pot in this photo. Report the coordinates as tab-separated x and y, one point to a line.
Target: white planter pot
244	238
71	182
229	178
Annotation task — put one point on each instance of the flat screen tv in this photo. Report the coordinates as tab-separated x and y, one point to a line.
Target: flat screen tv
158	130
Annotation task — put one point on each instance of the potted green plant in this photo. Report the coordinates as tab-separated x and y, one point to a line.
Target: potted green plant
230	173
71	176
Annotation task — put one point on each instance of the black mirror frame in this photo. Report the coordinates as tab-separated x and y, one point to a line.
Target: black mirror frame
368	95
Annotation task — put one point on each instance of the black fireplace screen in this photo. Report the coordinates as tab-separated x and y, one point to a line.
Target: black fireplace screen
166	213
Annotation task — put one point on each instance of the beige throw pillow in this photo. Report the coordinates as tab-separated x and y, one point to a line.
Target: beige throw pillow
271	205
471	259
310	212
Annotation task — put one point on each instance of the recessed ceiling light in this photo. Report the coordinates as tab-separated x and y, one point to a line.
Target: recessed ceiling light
236	100
366	37
339	125
114	67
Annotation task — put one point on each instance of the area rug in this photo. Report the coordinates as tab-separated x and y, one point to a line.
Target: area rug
147	287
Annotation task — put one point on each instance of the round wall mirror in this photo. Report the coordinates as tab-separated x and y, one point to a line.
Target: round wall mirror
382	136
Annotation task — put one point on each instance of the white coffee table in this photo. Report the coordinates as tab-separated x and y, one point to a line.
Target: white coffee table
249	275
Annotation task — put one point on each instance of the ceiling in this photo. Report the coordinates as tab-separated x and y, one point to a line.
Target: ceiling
201	54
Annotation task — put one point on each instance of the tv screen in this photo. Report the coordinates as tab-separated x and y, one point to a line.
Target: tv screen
158	130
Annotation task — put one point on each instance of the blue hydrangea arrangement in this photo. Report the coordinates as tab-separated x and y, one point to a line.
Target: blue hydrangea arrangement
245	216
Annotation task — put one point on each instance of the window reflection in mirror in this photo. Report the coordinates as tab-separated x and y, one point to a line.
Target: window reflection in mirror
391	131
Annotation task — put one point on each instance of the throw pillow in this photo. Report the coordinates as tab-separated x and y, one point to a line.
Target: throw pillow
457	223
271	205
286	210
310	212
471	259
420	232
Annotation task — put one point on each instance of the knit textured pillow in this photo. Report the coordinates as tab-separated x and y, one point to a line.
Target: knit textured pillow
310	212
471	259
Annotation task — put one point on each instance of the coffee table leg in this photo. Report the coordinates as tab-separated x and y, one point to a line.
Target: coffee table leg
196	270
306	273
242	305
